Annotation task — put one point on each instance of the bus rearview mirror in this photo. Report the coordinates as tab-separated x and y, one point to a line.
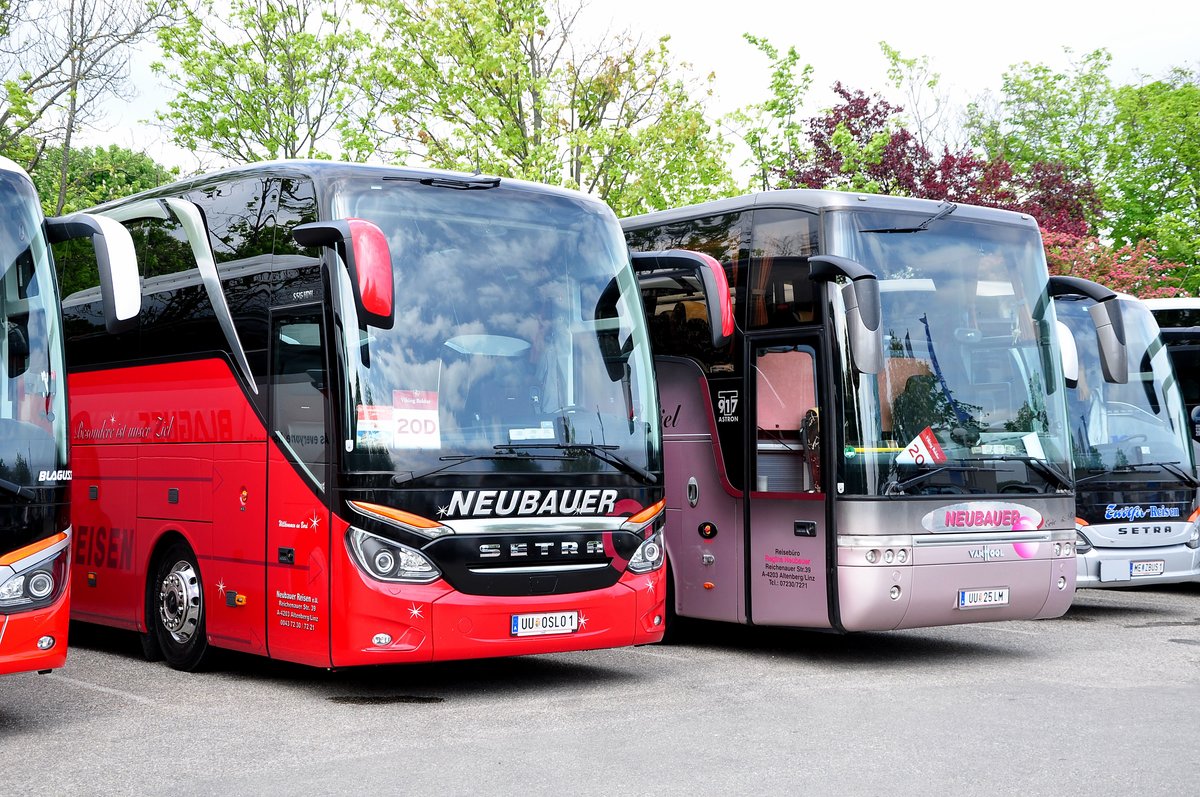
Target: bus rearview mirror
120	284
864	314
364	249
1106	318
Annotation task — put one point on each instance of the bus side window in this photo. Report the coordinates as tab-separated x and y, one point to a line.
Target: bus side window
299	389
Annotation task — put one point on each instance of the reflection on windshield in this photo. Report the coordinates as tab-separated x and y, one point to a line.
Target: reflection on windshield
516	325
967	383
1116	426
32	407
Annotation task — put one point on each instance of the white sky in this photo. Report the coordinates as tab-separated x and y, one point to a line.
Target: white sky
969	44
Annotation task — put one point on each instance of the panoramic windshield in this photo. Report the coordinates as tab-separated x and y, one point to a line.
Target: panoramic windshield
519	344
32	407
1141	422
966	401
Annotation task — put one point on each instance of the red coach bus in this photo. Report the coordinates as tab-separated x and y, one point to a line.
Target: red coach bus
370	415
35	472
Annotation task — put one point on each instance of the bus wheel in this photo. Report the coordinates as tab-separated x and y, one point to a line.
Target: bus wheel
177	597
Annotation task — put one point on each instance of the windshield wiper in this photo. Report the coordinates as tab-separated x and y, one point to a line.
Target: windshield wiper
1170	467
458	459
899	488
472	183
606	453
12	488
923	226
1048	471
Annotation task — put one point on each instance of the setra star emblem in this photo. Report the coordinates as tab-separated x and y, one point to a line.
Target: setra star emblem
415	612
442	511
315	520
582	621
650	586
221	587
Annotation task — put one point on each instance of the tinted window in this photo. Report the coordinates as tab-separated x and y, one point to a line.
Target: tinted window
781	293
298	389
297	205
162	246
1183	317
674	304
240	216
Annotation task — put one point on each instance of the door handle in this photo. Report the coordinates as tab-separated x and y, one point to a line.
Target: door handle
693	492
805	528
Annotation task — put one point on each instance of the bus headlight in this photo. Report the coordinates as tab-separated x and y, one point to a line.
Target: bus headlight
36	586
1082	544
1194	540
650	555
388	560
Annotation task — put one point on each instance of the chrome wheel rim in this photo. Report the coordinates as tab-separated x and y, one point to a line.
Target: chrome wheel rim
179	601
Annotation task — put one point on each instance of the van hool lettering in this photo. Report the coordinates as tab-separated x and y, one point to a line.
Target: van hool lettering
503	503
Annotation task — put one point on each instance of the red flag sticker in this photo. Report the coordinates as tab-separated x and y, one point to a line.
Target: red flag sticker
923	449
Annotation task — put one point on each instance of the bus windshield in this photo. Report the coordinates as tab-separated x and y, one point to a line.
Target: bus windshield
966	399
519	344
1140	422
32	407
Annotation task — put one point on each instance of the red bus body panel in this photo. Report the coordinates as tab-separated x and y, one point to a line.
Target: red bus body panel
19	634
176	451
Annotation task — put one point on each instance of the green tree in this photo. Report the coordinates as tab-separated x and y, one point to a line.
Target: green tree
96	175
1154	157
1046	116
266	79
58	61
770	128
511	88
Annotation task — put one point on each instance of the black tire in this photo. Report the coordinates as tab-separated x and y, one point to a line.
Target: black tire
175	598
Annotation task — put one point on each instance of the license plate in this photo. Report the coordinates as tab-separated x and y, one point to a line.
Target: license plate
543	623
979	598
1154	568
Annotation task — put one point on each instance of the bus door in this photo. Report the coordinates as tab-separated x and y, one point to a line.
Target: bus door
298	479
786	511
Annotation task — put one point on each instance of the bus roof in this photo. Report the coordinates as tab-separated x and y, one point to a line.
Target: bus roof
817	200
328	170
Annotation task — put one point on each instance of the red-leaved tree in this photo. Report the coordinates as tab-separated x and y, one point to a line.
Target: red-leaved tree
1132	269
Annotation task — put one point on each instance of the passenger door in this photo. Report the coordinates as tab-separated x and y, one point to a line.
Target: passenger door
786	560
298	477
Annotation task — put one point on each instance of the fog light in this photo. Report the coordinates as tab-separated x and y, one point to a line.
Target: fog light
889	555
1062	582
902	556
895	593
657	620
40	585
381	640
45	643
872	556
1057	549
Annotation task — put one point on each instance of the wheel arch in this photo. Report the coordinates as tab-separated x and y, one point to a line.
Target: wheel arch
166	538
